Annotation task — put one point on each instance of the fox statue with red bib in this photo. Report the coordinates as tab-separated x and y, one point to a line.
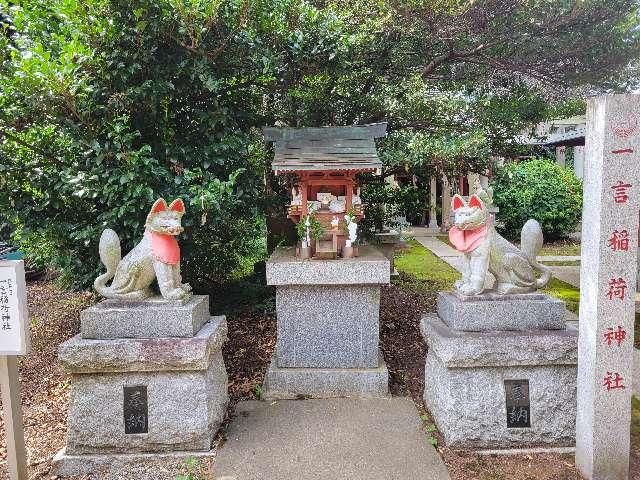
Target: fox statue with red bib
156	256
485	250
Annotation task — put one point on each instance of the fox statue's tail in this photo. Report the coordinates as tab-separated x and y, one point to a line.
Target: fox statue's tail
110	255
530	245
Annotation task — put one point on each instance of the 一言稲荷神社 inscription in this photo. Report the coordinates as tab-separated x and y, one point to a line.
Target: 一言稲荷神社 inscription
608	276
136	410
517	403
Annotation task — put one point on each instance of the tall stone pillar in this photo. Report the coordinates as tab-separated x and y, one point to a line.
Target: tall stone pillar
433	220
446	203
578	161
561	155
607	281
473	179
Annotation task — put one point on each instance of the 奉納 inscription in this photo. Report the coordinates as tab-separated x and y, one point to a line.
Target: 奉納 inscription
518	405
136	410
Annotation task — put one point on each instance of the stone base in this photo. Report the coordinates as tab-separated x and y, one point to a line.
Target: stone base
153	318
186	392
286	383
492	312
65	464
465	390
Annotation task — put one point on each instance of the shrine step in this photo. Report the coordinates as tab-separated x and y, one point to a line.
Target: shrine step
325	250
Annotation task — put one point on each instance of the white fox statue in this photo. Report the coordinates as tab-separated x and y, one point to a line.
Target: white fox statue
474	234
156	256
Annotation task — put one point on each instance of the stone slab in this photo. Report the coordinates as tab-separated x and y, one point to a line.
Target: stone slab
185	385
493	312
466	394
79	355
184	410
153	318
370	267
337	439
283	383
459	349
110	466
328	326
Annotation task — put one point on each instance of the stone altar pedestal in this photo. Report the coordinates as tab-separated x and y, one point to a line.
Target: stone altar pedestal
492	382
328	326
148	381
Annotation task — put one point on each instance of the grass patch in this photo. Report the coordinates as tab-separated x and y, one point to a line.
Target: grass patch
445	239
422	264
564	248
570	263
635	422
564	291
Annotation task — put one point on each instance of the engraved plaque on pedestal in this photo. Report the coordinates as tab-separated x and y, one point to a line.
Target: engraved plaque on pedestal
136	410
517	403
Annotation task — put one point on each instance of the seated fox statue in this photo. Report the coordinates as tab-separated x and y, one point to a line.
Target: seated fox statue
157	256
473	233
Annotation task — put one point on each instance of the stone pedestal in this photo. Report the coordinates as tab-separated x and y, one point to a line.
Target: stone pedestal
131	398
502	389
328	326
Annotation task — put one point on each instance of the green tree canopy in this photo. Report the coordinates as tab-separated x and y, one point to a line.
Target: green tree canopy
106	105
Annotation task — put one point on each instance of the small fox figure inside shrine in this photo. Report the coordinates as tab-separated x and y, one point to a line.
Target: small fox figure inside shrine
156	256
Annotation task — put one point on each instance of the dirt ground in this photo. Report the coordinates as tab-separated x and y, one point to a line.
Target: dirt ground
252	334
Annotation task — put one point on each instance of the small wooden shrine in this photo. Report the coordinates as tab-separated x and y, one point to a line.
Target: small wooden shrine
324	162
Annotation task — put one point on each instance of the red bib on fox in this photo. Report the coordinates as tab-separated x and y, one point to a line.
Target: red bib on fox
467	240
165	248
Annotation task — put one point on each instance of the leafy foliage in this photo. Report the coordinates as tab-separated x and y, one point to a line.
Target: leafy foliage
316	230
539	189
106	105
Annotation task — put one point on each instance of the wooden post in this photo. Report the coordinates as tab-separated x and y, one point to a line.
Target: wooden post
12	416
14	340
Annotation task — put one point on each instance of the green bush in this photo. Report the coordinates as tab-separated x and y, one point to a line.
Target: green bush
107	105
539	189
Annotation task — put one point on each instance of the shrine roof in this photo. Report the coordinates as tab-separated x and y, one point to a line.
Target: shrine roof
326	148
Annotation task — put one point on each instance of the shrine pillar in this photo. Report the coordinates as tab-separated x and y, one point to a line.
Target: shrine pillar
578	161
607	281
433	219
561	155
446	203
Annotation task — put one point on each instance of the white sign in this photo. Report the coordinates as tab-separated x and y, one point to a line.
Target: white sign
14	319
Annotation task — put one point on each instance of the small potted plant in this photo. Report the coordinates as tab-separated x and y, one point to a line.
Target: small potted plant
308	228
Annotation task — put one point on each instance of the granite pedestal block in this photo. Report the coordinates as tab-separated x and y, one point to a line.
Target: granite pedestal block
491	312
335	327
328	325
283	383
131	397
151	318
469	378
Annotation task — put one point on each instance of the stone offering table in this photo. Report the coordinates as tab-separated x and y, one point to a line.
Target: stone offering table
501	371
328	326
148	380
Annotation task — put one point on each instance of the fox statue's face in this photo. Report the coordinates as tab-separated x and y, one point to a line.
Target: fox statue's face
166	219
468	216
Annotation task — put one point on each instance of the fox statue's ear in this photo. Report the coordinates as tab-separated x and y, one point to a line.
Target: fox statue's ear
475	201
159	206
457	201
177	206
